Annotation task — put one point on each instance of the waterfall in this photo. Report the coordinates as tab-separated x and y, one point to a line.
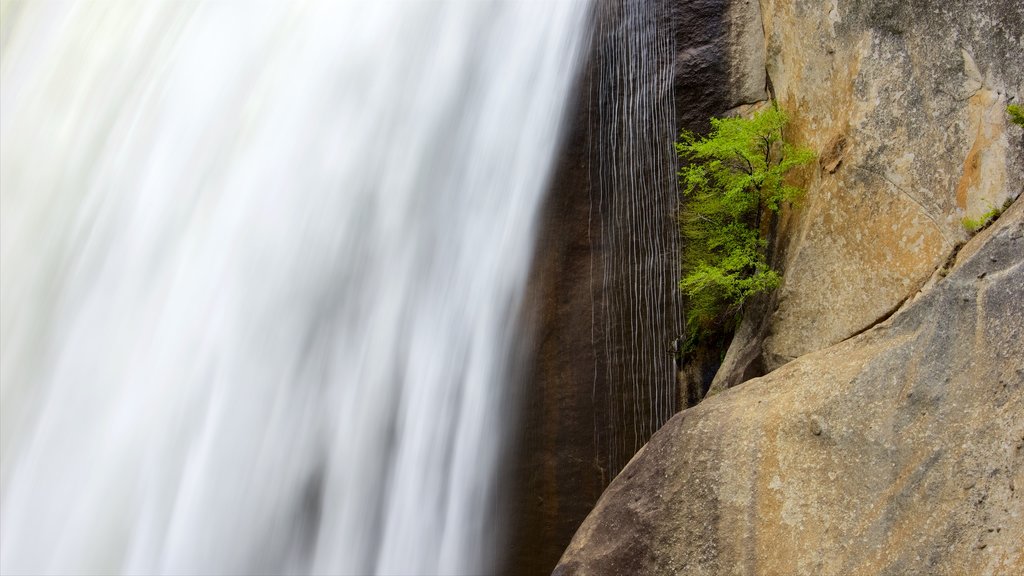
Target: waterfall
261	264
635	199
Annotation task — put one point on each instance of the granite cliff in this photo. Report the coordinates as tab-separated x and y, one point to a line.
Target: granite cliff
905	103
885	435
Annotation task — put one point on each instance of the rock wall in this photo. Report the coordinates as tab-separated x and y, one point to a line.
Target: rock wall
899	451
905	103
886	437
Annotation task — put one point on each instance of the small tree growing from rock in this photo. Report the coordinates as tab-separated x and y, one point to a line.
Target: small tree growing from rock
731	179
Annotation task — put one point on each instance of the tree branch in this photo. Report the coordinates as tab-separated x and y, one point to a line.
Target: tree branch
750	167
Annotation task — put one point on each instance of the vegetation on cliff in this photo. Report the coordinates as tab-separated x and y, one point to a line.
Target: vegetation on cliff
732	177
975	225
1016	114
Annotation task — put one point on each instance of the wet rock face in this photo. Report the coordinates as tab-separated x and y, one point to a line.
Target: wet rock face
598	287
899	451
555	477
905	104
719	58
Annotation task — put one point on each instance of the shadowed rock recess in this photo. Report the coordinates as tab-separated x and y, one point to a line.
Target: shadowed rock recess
899	451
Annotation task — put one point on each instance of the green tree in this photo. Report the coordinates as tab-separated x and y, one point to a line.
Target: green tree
731	178
1016	114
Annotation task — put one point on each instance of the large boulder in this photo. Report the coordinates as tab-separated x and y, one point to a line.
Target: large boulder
899	451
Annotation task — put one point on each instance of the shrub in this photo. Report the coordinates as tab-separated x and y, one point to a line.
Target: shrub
975	225
1016	114
732	177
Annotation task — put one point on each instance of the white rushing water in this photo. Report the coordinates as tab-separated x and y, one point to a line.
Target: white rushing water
260	268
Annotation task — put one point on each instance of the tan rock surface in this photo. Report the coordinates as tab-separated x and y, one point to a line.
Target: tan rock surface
905	104
899	451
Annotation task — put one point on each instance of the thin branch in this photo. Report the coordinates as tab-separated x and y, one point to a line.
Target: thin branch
750	167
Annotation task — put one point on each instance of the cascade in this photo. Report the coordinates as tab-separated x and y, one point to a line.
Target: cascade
604	291
260	267
634	196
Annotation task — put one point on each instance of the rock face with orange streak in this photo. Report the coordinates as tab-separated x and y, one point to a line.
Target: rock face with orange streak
905	103
899	451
